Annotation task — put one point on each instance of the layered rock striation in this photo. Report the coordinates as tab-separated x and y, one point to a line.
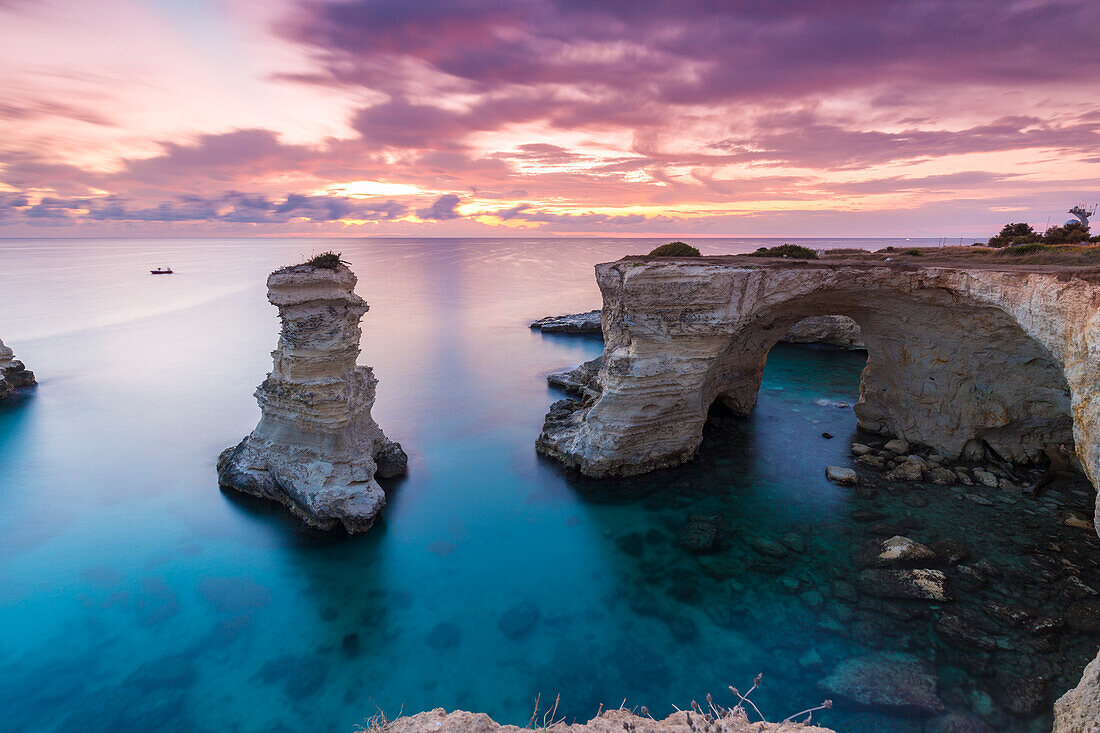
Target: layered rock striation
13	374
973	361
316	449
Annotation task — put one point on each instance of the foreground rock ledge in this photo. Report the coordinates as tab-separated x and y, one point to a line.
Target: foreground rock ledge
316	449
614	721
13	374
969	359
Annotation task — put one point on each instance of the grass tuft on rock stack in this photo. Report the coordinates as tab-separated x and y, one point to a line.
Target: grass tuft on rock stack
325	260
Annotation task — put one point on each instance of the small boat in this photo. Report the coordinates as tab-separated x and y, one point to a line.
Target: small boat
161	271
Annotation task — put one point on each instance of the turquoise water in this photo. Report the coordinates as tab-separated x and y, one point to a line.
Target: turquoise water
135	594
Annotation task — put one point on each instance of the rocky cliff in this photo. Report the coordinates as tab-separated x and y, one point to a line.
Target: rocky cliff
1078	711
613	721
316	449
12	373
972	361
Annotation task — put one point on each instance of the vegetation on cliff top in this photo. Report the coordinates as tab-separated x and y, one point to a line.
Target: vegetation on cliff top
327	260
789	251
1020	233
675	249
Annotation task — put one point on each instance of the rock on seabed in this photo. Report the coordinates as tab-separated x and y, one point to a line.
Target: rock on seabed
890	680
316	449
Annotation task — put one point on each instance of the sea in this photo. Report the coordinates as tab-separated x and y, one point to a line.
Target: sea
136	595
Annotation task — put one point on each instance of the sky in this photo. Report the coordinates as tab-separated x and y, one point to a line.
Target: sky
546	117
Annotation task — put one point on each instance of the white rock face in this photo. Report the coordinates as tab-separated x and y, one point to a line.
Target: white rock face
1078	711
316	449
12	373
959	359
834	330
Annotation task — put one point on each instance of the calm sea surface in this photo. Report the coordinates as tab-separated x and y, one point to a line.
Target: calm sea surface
134	595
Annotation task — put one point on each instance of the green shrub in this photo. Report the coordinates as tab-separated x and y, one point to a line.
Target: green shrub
790	251
913	252
1072	233
675	249
1015	233
1023	249
326	260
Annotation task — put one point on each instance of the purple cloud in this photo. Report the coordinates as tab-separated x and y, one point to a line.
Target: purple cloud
698	51
442	209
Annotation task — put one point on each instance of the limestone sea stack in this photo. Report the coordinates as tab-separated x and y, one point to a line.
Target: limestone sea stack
12	373
316	449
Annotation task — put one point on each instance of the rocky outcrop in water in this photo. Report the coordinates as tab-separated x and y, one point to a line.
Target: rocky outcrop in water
612	721
13	374
974	362
582	380
833	330
573	323
316	450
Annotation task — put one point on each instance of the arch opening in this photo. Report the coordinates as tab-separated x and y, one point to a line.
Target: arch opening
963	378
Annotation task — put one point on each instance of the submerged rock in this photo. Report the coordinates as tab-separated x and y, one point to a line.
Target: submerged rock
699	533
919	584
519	620
958	722
316	449
897	681
900	550
950	551
13	374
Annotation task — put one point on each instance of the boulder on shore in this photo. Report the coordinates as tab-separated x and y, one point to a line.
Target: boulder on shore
841	475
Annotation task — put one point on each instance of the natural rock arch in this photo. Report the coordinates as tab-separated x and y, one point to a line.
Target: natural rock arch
958	358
